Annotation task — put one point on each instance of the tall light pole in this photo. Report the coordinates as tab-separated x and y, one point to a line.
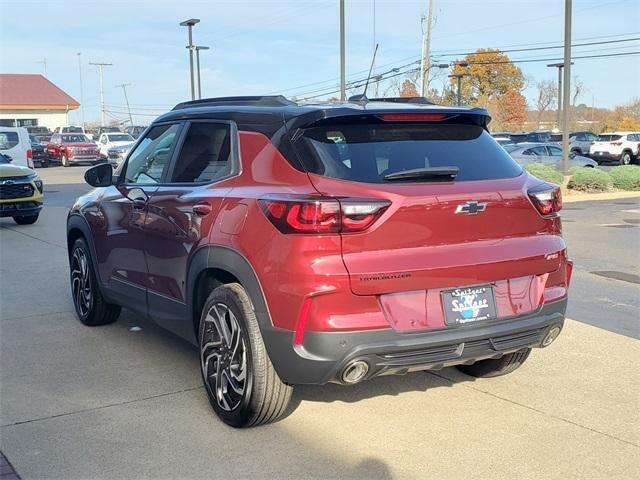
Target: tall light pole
458	77
559	66
426	52
567	86
189	24
343	92
126	99
81	87
197	48
101	70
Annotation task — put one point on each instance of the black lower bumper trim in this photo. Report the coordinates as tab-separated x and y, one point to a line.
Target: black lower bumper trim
324	356
20	209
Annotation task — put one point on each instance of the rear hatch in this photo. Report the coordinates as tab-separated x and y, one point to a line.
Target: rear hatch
441	229
606	143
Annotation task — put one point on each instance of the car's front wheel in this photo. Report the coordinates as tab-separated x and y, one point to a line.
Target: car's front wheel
241	383
91	307
25	219
495	367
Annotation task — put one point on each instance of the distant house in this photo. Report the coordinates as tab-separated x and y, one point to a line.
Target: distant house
33	100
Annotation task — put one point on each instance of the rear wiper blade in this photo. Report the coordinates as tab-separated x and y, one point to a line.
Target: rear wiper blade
432	172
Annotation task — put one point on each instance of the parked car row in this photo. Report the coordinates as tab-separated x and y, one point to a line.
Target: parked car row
622	147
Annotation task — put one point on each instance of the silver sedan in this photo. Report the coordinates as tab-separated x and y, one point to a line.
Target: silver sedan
547	153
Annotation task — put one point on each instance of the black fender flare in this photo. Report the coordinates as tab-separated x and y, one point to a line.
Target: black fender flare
230	260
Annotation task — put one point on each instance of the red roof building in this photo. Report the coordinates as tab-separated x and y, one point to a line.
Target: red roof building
28	99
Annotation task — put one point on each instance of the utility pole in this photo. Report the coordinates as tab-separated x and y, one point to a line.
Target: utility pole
375	47
559	66
343	93
426	53
126	99
101	69
458	77
81	87
566	87
189	24
197	48
44	62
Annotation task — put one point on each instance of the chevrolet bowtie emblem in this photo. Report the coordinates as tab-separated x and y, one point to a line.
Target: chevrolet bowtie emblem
471	208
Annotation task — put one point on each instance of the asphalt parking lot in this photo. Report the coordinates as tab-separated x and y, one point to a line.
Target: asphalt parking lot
108	402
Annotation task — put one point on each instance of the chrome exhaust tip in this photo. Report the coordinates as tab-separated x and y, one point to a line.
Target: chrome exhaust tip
551	335
355	372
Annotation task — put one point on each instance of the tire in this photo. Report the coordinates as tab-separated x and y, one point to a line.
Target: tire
91	307
26	219
241	383
64	160
495	367
626	158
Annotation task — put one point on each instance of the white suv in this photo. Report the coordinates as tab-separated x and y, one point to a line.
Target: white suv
15	143
621	146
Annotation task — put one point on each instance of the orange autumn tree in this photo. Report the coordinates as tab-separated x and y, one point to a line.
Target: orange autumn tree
408	89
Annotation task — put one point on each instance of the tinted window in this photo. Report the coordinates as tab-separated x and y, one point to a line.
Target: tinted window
147	162
608	138
8	140
72	130
366	152
205	155
555	151
123	137
538	151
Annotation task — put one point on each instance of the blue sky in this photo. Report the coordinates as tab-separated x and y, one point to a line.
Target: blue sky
263	47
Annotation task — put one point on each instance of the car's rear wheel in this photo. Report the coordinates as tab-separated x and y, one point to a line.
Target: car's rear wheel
91	307
26	219
65	160
241	383
625	158
495	367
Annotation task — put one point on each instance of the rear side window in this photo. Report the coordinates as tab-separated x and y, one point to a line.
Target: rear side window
205	155
368	152
8	140
609	138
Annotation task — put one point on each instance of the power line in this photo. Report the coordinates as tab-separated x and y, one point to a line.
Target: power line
442	53
359	83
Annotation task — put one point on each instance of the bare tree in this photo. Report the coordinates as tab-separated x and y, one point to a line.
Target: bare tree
547	96
578	88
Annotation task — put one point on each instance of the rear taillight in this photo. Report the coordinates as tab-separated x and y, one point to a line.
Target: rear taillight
546	198
317	215
29	153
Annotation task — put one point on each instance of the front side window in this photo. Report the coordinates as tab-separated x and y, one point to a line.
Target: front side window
148	161
537	151
8	140
205	155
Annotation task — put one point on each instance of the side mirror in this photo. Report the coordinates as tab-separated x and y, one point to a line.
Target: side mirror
99	176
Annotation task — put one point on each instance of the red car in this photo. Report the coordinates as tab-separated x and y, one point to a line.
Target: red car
70	148
306	244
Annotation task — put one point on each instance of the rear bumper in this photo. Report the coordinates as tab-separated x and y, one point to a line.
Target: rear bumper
324	356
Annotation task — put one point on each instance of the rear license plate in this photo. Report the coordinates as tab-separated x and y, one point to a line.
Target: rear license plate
466	305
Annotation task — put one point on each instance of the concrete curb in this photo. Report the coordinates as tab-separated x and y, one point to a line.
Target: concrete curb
583	197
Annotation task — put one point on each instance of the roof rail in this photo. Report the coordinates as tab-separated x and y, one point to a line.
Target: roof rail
259	101
420	100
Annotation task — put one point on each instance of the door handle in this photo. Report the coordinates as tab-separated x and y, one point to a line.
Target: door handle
202	209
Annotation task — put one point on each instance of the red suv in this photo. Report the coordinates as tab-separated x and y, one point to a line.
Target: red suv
306	244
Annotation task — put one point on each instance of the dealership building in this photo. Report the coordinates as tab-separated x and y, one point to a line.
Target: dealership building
27	99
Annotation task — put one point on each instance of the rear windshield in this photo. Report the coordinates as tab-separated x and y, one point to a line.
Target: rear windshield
368	152
608	138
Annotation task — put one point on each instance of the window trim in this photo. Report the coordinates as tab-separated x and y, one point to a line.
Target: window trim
234	153
125	164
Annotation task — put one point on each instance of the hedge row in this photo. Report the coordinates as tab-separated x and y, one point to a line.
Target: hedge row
624	177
